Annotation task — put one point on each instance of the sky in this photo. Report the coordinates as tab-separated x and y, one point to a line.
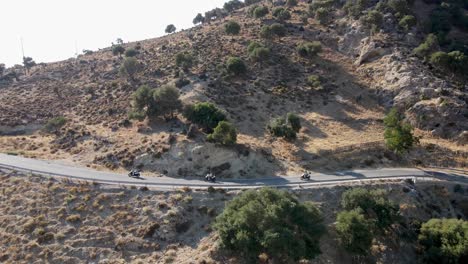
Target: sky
53	30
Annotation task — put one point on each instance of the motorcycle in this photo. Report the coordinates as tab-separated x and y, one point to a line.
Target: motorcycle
305	176
210	177
134	174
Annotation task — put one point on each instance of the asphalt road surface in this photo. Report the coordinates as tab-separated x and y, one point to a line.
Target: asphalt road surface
57	170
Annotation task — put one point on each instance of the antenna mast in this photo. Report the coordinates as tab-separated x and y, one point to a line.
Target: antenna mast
22	46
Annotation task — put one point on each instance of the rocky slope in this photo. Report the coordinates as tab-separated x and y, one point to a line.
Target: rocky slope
362	76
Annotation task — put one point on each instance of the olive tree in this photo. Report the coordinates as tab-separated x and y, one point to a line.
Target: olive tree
272	222
170	29
444	241
166	99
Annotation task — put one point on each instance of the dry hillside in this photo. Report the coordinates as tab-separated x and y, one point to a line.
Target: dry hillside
362	76
48	221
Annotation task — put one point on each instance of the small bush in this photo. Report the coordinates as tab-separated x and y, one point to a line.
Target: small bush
281	14
131	53
429	45
224	133
285	127
55	124
73	218
258	52
309	49
184	60
454	62
444	240
206	115
260	11
398	134
407	22
129	67
278	30
266	32
275	29
314	81
322	15
170	29
354	231
354	8
272	222
236	66
294	121
373	18
232	28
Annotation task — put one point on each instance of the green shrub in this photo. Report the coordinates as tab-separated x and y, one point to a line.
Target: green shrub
278	30
399	6
281	14
129	67
224	133
326	4
354	231
136	115
266	32
314	81
322	15
118	50
206	115
170	29
184	60
258	52
236	66
260	11
440	60
354	8
374	204
272	222
398	134
407	22
444	241
454	62
309	49
285	127
131	53
232	28
294	121
373	18
55	124
429	45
